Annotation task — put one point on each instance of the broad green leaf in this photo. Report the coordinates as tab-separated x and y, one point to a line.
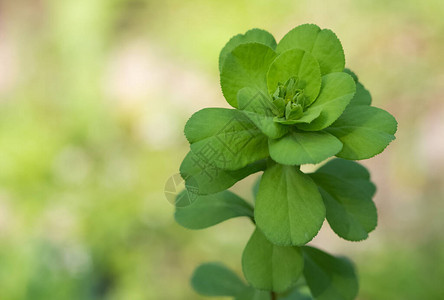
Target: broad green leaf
296	63
365	131
351	171
362	95
289	209
226	138
253	294
214	279
254	35
297	148
336	91
351	212
245	66
259	109
323	44
205	178
329	277
270	267
209	210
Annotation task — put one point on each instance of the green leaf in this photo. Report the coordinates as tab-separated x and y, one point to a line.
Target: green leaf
365	131
254	35
214	279
245	66
289	209
351	171
296	63
336	91
209	210
362	95
323	44
329	277
225	138
297	148
270	267
259	109
253	294
205	178
351	212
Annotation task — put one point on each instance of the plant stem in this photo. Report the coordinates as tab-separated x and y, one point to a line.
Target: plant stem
273	296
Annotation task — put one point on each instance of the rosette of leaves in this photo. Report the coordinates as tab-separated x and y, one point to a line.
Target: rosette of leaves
294	103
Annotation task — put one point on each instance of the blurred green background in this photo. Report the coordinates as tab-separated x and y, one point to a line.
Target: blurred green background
94	95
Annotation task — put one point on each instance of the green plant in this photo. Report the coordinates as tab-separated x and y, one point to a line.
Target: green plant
294	104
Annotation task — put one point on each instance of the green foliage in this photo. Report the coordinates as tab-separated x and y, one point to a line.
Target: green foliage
259	109
90	120
253	294
225	138
362	95
271	267
322	44
214	279
205	178
251	36
245	66
294	104
337	91
298	147
347	195
365	131
289	209
296	63
209	210
297	294
329	277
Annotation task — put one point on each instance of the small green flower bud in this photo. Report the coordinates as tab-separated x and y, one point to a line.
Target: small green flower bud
293	111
